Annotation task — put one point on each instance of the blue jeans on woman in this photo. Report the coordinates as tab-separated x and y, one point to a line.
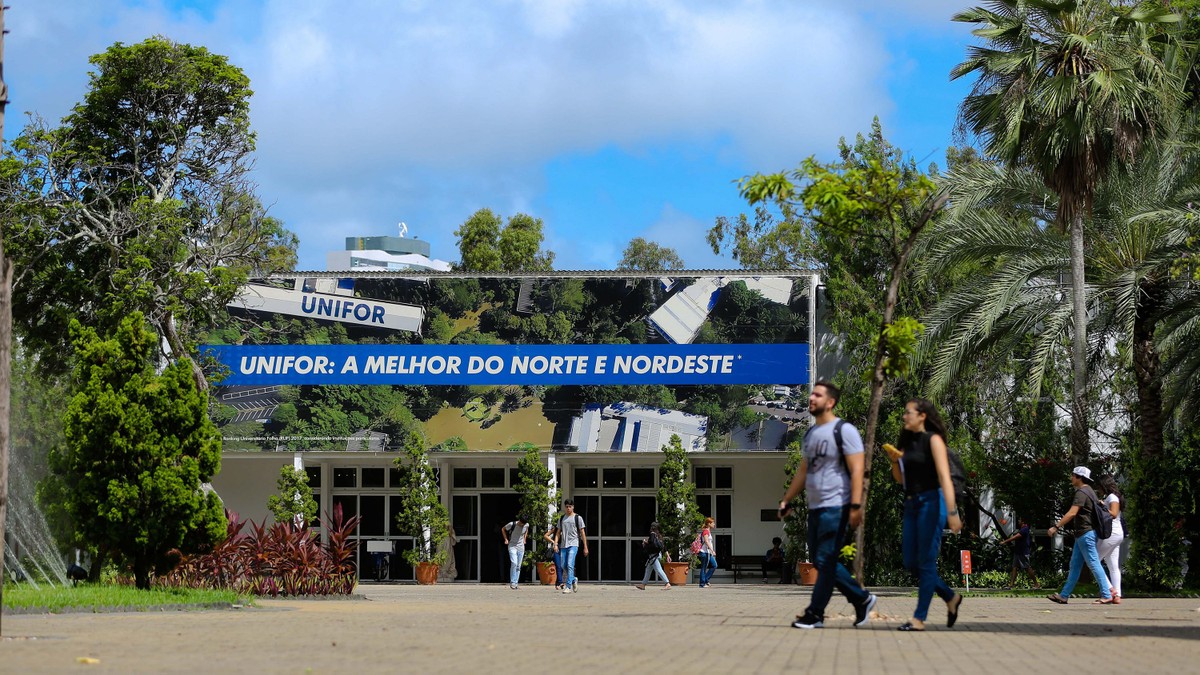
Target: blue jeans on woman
826	527
708	565
653	565
924	515
1084	551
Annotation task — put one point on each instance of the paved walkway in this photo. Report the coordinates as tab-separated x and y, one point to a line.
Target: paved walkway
612	628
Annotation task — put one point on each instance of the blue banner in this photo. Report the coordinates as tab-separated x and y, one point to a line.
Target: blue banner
721	364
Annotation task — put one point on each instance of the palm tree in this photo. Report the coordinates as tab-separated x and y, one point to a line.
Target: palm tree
1140	228
1064	88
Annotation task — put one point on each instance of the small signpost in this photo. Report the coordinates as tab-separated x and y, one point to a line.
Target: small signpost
965	564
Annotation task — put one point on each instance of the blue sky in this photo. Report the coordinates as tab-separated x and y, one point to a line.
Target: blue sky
608	119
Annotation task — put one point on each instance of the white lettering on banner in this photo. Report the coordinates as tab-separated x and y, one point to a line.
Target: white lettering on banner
554	365
659	365
413	365
338	308
285	365
351	365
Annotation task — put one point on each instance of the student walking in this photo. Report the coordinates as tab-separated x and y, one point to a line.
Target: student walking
1109	550
515	535
923	467
708	553
653	547
571	535
1021	551
832	478
1083	551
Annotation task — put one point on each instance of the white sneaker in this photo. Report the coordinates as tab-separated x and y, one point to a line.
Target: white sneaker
567	589
575	587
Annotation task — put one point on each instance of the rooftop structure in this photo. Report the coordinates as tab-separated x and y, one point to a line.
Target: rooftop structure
384	253
630	427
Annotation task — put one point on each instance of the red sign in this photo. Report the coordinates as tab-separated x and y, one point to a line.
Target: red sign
965	557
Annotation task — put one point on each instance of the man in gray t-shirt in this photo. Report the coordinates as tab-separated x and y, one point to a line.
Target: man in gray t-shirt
571	534
832	475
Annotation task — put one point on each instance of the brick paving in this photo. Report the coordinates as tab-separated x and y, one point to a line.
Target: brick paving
740	628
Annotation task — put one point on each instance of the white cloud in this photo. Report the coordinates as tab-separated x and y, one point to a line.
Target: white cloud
369	111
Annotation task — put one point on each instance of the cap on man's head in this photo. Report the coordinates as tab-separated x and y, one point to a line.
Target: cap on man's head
1083	472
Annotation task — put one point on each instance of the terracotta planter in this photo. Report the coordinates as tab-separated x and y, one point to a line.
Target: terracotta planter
806	573
547	573
677	572
427	573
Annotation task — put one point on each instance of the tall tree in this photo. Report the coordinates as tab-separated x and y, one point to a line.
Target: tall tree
1064	88
859	218
643	255
479	242
521	245
140	201
138	446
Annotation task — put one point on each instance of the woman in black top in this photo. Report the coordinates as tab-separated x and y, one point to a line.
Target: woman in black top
653	547
923	467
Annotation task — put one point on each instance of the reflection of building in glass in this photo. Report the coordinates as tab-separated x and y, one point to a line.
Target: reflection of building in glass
384	253
629	427
679	319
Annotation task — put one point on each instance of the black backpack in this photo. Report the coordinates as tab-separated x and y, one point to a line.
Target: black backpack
653	545
837	439
1102	520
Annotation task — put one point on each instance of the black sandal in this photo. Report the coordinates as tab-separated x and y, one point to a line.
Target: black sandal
908	627
952	610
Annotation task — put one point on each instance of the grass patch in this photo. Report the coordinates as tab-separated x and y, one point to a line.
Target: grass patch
107	598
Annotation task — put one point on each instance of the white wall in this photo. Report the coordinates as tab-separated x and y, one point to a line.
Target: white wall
246	481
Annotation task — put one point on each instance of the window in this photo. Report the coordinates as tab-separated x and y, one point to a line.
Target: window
614	478
641	478
373	478
464	478
492	478
704	477
395	477
314	476
514	477
586	478
345	477
724	478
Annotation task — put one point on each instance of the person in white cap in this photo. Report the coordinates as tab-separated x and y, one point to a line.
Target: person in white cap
1084	549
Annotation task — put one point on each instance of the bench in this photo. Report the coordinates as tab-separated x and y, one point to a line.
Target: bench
747	565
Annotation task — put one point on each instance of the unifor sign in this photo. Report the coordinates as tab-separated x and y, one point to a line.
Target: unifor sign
717	364
330	307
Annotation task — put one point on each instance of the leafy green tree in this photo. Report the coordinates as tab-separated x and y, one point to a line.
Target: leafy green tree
1140	225
1064	88
862	217
679	518
139	201
422	514
138	447
294	502
479	242
535	485
521	245
647	256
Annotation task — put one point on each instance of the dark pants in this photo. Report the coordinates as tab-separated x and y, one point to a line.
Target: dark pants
924	515
826	527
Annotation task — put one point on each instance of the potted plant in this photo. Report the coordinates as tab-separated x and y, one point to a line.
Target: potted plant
795	524
679	518
422	514
535	485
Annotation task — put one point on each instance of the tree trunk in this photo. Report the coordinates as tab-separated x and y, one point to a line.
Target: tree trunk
141	571
5	344
167	327
1080	444
1146	370
876	401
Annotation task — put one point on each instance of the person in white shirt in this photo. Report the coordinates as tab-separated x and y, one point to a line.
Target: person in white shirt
1109	549
515	535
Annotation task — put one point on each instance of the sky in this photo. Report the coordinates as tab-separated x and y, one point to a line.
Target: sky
607	119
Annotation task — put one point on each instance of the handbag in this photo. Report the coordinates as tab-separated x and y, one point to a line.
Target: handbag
697	544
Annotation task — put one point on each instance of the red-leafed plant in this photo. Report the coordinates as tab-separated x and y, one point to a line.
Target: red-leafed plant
280	559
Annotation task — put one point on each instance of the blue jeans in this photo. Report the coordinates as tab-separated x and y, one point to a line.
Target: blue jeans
558	568
568	564
825	530
515	557
1084	551
708	565
653	565
924	515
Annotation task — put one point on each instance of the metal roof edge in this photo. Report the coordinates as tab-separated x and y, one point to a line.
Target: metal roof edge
554	274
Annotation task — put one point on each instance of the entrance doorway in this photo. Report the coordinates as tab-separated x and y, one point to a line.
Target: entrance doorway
495	511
